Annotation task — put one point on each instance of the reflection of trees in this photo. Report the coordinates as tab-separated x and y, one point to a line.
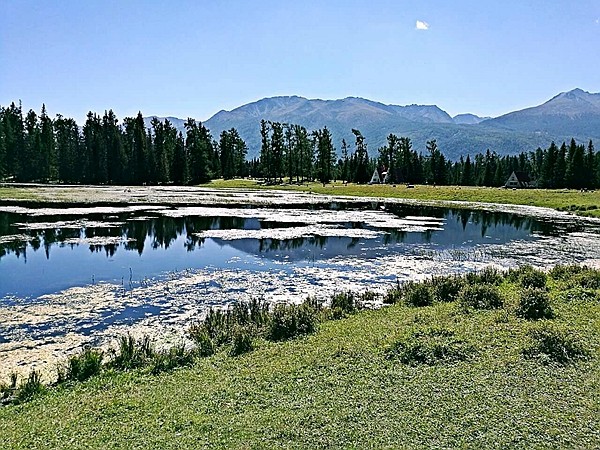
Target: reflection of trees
489	219
164	231
394	236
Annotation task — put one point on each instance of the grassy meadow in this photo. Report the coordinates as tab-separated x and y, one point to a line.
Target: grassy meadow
578	202
489	361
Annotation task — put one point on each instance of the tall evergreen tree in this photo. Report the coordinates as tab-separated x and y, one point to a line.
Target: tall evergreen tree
325	156
361	159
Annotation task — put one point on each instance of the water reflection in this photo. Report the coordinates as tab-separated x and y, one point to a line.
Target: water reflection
110	247
106	234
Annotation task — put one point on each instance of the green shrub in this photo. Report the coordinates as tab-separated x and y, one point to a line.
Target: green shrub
489	275
393	296
564	273
579	294
176	356
554	345
534	304
587	279
289	321
219	324
418	294
314	303
528	277
480	296
82	366
241	342
431	346
204	344
132	353
215	324
346	302
446	289
32	387
7	391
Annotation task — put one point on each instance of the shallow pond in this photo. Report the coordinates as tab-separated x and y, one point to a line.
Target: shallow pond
70	276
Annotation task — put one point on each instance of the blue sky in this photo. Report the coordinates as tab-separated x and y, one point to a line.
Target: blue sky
194	58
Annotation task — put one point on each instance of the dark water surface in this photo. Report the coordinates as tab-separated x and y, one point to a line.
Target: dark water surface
42	254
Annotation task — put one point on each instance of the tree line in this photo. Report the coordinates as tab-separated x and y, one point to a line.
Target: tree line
573	166
103	151
38	148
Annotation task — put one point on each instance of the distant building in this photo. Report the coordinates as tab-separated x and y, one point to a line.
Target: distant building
519	180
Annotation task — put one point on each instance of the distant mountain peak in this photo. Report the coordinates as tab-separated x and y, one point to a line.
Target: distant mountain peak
570	114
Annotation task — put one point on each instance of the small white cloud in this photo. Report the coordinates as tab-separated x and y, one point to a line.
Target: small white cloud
421	25
598	21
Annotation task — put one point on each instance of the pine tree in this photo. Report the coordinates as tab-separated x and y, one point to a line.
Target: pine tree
361	159
467	173
47	158
325	156
265	151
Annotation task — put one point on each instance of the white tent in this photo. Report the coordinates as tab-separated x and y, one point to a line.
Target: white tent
375	179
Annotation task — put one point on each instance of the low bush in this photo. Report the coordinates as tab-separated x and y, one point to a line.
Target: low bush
176	356
289	321
393	296
579	294
528	277
534	304
446	289
132	353
564	273
219	323
554	345
7	391
418	294
241	342
347	302
480	296
32	387
82	366
430	347
489	275
204	344
587	279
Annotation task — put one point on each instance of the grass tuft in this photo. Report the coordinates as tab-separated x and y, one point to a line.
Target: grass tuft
290	321
32	387
241	342
82	366
552	344
480	296
431	346
132	353
534	304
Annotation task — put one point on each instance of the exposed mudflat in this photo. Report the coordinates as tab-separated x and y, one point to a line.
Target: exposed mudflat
303	251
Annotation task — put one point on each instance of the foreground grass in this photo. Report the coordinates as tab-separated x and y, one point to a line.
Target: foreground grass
339	388
582	203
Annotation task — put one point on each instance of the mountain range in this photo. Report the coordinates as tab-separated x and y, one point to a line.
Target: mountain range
572	114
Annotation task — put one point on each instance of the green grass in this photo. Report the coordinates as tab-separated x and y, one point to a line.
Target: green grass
341	387
581	203
18	193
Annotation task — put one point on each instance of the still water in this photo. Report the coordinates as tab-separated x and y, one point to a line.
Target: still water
46	251
75	276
